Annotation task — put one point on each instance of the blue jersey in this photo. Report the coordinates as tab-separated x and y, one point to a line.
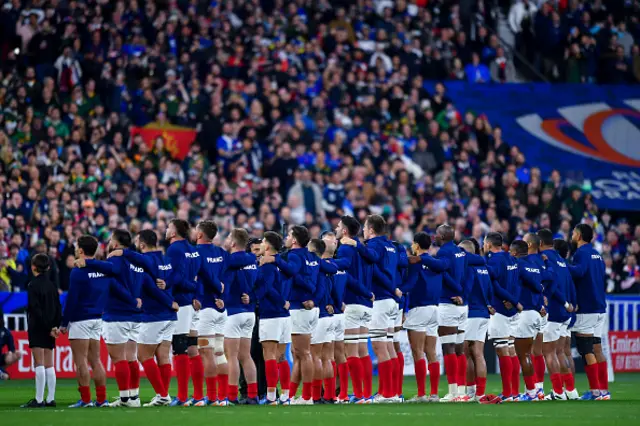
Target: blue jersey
423	286
455	265
531	281
506	281
381	252
302	269
270	290
561	288
185	262
480	293
358	290
240	281
401	271
121	305
338	288
322	297
588	272
87	296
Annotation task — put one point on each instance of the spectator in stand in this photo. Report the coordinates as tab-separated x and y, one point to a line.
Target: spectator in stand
502	68
476	71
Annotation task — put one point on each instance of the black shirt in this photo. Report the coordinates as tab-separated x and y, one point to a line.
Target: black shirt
43	310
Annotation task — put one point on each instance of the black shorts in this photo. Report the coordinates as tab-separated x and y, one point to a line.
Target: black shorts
41	339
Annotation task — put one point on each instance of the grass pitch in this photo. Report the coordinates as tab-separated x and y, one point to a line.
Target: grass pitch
624	409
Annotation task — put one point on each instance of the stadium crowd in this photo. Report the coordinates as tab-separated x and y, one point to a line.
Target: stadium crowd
319	110
579	41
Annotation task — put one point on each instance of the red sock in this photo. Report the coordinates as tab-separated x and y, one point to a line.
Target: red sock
223	387
400	376
471	382
421	376
154	376
197	376
165	371
122	375
271	372
515	376
603	376
481	385
434	377
316	389
538	366
530	382
462	370
592	376
343	371
306	390
85	394
232	392
252	390
367	376
284	373
293	389
556	382
389	386
393	373
330	388
181	365
506	373
569	381
212	388
101	394
451	368
382	378
134	375
355	370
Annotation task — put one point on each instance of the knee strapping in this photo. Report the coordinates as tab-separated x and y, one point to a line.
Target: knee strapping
377	335
351	339
512	343
206	342
460	338
597	340
584	345
218	348
180	343
502	343
396	336
192	340
449	338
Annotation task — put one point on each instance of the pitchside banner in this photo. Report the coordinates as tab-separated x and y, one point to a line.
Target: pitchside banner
625	350
590	133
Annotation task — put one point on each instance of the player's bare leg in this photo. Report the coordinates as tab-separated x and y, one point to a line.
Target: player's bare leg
302	345
433	365
284	373
99	373
222	368
470	370
549	350
231	349
417	343
523	348
448	338
117	353
206	349
249	368
146	356
565	368
351	340
461	356
80	351
131	354
316	383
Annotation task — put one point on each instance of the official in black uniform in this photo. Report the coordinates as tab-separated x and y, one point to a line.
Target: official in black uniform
43	317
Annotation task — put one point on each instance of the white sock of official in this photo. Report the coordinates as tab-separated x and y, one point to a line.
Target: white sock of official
51	384
40	383
271	395
284	395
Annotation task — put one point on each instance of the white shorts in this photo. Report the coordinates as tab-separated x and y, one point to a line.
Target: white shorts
529	325
240	326
475	329
304	321
356	316
553	331
275	330
324	331
154	333
500	326
545	321
423	318
85	330
398	323
450	315
565	332
590	324
211	322
119	332
338	327
187	320
383	314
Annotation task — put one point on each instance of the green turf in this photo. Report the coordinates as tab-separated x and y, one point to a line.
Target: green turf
624	409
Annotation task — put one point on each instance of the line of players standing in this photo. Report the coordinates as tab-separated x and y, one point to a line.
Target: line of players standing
328	300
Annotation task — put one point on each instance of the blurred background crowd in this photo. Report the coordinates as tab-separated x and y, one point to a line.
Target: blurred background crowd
304	110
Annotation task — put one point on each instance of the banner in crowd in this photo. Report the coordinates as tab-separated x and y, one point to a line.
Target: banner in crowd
175	139
589	133
625	350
